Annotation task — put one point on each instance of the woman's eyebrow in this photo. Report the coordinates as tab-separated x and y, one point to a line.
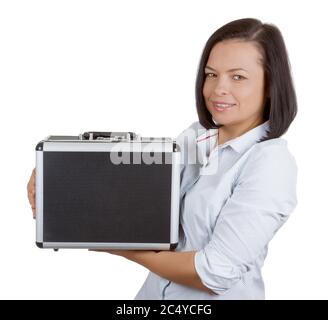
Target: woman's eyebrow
230	70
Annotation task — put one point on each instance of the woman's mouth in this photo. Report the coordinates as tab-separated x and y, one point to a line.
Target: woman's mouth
223	106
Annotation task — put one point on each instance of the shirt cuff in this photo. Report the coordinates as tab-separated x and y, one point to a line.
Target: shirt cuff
211	276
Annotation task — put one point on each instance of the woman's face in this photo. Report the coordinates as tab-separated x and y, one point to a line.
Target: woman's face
234	84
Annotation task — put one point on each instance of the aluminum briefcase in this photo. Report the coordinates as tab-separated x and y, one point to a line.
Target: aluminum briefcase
107	190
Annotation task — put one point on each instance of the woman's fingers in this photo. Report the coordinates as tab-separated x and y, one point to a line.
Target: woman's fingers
31	192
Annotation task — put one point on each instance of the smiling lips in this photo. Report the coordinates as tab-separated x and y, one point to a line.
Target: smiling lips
221	106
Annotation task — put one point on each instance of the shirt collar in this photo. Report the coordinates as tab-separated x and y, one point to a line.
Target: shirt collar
239	144
245	141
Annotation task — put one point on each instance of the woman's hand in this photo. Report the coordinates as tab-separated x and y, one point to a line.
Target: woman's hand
31	192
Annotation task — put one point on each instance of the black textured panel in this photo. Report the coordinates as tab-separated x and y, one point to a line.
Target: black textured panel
87	198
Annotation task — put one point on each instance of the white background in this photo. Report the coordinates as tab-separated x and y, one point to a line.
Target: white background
72	66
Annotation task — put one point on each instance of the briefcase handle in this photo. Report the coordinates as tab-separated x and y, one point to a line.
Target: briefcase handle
112	136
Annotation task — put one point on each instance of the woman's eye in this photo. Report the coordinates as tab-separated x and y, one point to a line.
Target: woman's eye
238	77
210	74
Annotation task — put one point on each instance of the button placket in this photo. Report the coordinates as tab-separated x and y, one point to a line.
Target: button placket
215	155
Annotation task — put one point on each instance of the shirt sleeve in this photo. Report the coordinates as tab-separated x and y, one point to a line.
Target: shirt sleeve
185	140
262	200
181	143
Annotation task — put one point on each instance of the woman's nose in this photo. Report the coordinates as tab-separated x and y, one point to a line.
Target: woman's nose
221	87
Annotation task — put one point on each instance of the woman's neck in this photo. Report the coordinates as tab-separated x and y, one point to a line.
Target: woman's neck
226	133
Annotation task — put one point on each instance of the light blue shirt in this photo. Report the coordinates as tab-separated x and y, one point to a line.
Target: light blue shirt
234	197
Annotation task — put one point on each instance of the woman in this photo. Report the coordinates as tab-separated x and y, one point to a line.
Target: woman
242	187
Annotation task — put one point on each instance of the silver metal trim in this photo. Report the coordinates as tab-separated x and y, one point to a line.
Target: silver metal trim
175	197
108	245
103	146
39	196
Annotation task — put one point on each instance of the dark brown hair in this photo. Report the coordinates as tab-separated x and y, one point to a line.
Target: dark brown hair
280	104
